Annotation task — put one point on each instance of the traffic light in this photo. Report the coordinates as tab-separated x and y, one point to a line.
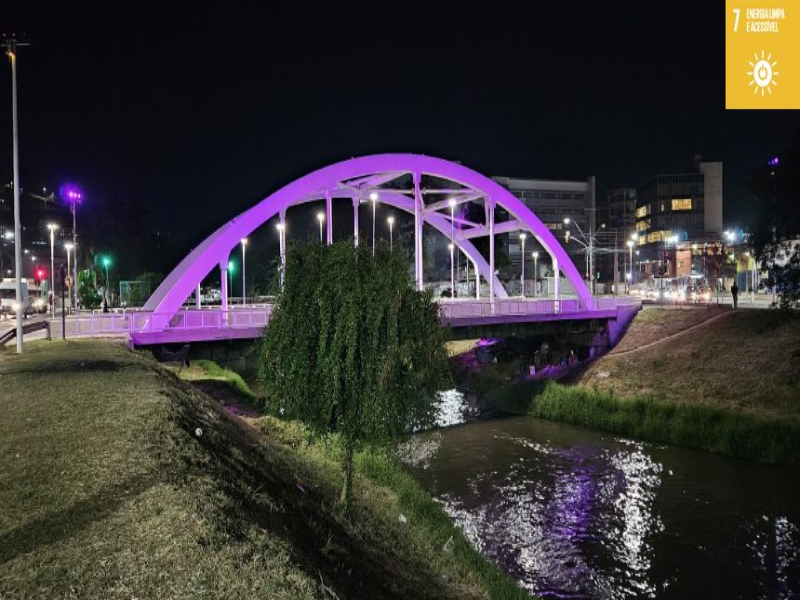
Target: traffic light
39	275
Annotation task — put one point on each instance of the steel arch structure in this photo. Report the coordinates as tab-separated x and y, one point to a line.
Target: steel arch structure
371	177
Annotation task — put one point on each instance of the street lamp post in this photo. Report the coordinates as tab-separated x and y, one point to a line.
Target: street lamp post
452	204
230	277
11	51
390	220
320	218
589	246
68	247
244	278
522	256
374	198
52	227
630	260
452	273
535	272
106	264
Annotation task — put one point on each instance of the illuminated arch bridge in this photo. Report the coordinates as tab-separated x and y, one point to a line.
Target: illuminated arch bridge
426	187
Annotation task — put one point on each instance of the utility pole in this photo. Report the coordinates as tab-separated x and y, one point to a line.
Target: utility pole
11	45
616	263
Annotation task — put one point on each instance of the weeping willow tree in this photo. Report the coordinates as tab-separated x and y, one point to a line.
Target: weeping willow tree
352	348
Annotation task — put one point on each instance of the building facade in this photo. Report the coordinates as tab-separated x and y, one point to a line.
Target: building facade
553	201
677	214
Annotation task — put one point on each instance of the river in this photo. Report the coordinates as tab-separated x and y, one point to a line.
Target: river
574	513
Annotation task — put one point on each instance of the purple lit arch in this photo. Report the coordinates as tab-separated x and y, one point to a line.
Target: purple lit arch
356	179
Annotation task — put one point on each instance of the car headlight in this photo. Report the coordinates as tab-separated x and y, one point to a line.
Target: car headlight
39	303
15	306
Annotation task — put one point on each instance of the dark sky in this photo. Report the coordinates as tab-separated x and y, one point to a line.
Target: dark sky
199	113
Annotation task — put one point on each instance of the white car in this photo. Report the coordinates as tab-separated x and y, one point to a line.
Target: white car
8	298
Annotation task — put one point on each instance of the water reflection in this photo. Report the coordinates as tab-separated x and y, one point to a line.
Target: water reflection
570	513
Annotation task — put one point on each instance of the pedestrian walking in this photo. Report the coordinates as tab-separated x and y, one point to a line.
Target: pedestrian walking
735	294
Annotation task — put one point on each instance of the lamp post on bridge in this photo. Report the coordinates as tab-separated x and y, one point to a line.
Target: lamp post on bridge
451	247
535	272
244	279
390	220
374	199
629	275
522	257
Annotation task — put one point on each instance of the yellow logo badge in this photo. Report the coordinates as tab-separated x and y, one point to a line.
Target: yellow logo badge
756	34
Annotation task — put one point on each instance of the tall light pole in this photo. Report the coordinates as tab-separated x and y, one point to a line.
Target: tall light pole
535	272
106	263
374	198
231	266
11	51
452	273
68	247
282	246
522	256
390	220
320	218
74	197
244	279
629	276
589	245
452	204
52	227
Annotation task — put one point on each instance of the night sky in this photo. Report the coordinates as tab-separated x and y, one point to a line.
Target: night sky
197	114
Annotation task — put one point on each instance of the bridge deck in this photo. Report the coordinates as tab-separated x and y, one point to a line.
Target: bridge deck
143	328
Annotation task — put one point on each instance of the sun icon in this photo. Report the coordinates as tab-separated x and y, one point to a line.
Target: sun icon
762	75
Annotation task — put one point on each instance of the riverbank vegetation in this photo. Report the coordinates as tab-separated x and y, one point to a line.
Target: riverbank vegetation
121	480
730	386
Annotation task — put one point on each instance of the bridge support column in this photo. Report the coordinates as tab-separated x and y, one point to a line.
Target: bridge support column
418	222
356	202
223	280
490	214
329	215
197	300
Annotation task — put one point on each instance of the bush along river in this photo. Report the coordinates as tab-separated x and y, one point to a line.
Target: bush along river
574	513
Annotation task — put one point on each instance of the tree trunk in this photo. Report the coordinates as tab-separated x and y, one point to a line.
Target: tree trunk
347	487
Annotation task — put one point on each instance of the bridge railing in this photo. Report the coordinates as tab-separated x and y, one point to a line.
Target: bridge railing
96	324
461	309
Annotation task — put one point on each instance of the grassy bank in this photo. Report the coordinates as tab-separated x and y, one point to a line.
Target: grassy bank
746	361
117	479
731	386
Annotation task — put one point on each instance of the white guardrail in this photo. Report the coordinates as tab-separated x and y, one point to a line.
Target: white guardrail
131	322
460	309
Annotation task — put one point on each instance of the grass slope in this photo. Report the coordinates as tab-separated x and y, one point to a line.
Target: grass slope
747	361
108	491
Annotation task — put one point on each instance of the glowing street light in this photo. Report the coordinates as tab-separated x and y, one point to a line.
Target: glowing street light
74	196
321	219
522	276
390	220
244	279
374	199
535	256
231	269
52	227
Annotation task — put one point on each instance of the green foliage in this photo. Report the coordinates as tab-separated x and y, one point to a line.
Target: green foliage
727	432
352	348
88	296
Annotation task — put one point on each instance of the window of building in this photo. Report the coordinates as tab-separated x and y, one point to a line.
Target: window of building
642	225
643	211
681	204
